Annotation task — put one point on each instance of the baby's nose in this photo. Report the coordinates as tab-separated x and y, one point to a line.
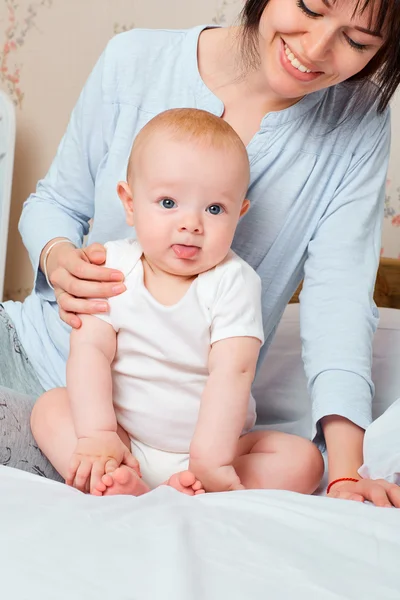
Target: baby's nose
191	224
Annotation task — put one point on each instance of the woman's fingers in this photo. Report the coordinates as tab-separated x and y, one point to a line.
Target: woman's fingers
70	319
77	264
82	288
394	495
70	304
75	279
390	495
379	496
379	492
342	495
96	253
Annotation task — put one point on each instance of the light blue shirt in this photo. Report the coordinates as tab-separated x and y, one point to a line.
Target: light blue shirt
317	190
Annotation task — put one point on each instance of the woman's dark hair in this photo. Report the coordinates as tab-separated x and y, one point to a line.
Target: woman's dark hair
383	69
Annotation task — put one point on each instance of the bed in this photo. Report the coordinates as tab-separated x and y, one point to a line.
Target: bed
57	543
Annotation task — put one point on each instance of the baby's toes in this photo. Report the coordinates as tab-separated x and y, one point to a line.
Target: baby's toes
107	480
197	486
99	489
187	479
199	492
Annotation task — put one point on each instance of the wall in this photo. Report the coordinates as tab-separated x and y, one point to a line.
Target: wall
47	49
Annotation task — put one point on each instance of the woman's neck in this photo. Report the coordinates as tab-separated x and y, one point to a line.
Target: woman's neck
225	73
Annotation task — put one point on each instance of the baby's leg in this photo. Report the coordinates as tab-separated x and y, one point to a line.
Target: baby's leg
275	460
53	429
54	432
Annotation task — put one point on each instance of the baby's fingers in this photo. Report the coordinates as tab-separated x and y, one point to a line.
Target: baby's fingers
236	487
98	470
111	465
130	461
73	467
82	475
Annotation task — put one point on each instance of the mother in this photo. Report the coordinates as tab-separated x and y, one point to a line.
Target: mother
295	82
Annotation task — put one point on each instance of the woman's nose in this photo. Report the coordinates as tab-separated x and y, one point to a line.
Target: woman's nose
317	43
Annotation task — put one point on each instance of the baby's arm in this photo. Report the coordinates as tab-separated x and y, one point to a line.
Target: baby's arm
89	386
223	410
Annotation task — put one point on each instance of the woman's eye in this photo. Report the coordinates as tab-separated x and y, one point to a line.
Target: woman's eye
167	203
215	209
306	10
353	44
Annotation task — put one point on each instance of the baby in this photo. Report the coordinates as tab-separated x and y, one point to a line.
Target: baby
163	380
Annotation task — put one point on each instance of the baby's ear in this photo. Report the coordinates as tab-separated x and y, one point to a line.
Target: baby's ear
245	207
125	195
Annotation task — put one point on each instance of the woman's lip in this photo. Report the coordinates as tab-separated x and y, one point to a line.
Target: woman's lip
292	70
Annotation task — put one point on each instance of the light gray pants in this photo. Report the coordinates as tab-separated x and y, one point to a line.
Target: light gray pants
19	389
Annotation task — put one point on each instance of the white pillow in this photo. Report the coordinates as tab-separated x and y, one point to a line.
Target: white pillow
280	388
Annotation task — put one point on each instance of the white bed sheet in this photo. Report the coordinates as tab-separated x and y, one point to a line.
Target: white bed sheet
58	544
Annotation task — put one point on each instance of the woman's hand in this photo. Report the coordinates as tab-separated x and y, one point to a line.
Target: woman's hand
78	277
378	491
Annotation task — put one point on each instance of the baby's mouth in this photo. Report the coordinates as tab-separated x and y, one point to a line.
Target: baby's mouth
185	252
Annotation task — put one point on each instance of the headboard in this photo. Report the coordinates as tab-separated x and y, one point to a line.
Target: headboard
7	146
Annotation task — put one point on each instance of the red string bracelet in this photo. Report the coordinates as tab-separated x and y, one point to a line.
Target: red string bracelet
341	479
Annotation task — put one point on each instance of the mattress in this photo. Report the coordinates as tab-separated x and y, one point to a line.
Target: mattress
57	543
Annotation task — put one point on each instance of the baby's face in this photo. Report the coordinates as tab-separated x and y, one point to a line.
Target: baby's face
187	201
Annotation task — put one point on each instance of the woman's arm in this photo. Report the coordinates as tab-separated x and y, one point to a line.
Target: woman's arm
63	202
338	315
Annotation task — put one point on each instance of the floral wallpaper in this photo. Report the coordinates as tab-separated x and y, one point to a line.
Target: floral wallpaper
46	53
20	20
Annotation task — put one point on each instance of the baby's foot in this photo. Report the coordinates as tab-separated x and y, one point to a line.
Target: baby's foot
186	483
122	481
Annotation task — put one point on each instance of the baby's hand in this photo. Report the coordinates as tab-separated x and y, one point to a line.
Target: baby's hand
94	456
217	479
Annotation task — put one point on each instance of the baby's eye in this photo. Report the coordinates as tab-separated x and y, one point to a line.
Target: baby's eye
215	209
167	203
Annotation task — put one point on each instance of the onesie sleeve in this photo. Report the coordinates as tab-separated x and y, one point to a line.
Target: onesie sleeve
122	255
236	311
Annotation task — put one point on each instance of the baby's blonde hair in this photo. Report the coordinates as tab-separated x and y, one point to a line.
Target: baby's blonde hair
193	125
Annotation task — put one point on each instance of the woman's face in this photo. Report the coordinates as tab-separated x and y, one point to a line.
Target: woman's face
308	45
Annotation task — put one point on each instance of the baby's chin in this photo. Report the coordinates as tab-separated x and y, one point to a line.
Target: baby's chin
188	268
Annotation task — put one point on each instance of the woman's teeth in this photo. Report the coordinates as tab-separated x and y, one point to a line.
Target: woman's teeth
295	62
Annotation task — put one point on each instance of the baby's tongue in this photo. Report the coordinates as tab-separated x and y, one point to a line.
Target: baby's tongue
185	251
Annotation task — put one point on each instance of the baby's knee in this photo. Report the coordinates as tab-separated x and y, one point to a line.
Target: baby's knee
310	465
45	409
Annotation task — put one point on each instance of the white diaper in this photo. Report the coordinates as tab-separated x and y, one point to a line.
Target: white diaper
156	465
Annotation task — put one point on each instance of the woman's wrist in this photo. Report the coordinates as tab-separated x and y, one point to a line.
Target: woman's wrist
48	257
344	443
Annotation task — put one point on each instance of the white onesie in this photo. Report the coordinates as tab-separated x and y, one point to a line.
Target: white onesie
161	363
